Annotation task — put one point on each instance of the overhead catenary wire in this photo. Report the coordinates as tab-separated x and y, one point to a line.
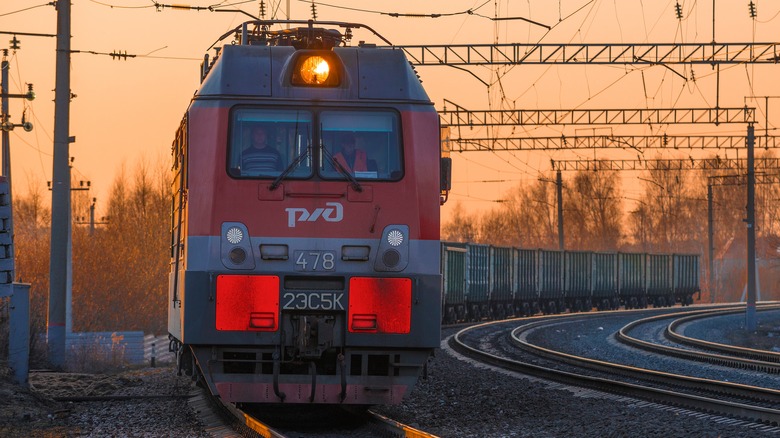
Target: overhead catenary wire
505	87
27	9
119	55
470	11
677	93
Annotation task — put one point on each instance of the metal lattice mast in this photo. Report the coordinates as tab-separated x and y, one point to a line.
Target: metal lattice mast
716	163
460	116
594	54
639	142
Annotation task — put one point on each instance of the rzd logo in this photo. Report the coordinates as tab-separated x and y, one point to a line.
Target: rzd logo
333	213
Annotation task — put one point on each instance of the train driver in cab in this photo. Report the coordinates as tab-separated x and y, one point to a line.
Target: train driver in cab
261	157
352	157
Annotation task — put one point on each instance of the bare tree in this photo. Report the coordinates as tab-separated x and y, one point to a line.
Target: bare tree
674	211
527	218
461	228
120	281
537	217
32	235
495	228
593	211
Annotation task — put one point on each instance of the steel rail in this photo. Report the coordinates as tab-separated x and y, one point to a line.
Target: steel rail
226	419
760	355
736	390
768	366
395	428
733	409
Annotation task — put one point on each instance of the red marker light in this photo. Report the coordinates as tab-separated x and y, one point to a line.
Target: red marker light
247	302
380	305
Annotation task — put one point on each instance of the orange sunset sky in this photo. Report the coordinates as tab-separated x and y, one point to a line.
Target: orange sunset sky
126	112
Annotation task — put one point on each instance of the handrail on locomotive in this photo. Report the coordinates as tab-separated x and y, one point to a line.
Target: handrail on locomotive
308	37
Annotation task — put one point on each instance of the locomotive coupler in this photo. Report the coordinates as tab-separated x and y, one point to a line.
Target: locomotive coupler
312	335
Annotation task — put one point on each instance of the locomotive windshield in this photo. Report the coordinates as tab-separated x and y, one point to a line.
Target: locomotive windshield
276	144
264	143
364	143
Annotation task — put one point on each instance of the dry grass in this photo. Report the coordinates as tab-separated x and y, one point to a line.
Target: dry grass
95	358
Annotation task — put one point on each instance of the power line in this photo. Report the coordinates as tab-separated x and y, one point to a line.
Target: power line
471	11
120	6
120	55
27	9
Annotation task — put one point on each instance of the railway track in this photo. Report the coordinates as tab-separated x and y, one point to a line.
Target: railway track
764	360
744	402
228	420
722	354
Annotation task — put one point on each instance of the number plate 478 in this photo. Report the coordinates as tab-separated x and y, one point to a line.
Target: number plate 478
315	260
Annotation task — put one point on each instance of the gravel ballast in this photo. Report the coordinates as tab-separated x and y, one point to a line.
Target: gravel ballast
459	398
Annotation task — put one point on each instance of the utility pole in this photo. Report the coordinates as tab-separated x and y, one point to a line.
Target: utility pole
7	126
559	187
7	165
711	244
60	202
750	309
6	140
91	220
92	217
559	201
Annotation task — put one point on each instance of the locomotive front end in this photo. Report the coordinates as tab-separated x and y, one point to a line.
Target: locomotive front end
305	243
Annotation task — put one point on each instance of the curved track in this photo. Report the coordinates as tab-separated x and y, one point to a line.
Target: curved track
727	355
771	357
754	404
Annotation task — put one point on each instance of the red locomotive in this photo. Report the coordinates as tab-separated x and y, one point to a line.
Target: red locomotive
305	253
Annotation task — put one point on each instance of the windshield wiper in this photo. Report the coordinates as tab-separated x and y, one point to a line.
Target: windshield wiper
290	168
355	184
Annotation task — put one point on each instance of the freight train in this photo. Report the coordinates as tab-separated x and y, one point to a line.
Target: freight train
494	282
305	220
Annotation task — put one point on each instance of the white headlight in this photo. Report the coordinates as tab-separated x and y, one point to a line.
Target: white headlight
234	235
395	238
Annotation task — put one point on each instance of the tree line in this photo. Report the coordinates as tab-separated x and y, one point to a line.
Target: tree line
120	271
670	215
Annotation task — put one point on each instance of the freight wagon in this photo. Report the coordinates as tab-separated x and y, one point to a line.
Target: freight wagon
493	282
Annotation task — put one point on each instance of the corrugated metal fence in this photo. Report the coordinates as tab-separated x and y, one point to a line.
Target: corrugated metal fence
159	346
131	348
